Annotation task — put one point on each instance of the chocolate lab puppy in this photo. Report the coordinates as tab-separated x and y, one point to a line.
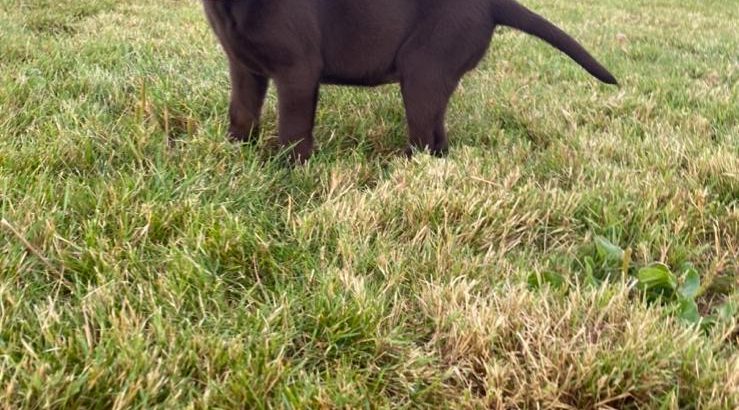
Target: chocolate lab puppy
425	45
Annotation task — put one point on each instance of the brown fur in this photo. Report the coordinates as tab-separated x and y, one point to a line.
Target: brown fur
425	45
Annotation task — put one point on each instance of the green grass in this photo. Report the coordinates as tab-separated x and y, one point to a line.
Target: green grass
147	262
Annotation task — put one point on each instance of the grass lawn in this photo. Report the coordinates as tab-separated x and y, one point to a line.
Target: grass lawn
577	249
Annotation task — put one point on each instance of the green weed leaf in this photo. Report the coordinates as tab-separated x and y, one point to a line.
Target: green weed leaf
555	280
657	276
607	250
691	286
686	267
688	311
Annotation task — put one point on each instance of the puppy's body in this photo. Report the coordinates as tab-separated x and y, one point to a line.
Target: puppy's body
425	45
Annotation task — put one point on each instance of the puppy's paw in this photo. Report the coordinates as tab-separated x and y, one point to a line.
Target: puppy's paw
243	137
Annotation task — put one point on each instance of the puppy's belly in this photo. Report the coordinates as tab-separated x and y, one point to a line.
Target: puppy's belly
360	63
361	81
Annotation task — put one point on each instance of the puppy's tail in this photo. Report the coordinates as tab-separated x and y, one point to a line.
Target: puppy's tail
510	13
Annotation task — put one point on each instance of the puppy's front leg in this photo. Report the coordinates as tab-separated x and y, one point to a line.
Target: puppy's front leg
297	99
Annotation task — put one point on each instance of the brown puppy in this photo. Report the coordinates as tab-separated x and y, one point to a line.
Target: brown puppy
425	45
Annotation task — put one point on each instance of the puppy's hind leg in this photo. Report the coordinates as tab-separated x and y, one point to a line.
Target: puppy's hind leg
426	93
297	99
247	97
